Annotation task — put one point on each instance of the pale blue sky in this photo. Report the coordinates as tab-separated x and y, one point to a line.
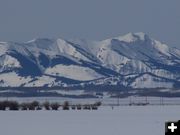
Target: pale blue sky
23	20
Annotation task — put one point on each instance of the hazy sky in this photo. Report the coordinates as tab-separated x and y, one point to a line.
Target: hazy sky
23	20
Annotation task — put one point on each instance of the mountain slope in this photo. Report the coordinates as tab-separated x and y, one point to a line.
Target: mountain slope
132	61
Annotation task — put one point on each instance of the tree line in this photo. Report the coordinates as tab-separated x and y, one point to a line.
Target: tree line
35	105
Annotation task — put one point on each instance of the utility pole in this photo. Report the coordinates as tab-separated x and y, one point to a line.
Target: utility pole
118	96
146	100
161	101
130	101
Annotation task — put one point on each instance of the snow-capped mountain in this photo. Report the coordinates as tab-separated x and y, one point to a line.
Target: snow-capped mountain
134	61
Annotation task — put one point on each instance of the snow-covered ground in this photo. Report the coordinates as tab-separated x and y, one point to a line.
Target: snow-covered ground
105	101
73	72
124	120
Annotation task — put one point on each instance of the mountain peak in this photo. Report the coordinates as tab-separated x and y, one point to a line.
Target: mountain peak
37	40
131	37
141	35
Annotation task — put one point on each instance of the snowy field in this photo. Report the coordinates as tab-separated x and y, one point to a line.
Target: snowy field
123	120
105	101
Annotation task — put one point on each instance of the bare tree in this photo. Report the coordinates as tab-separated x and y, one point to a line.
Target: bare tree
54	106
2	105
33	105
46	105
24	106
66	105
13	105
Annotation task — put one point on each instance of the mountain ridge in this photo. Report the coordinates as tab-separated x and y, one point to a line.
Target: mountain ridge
134	60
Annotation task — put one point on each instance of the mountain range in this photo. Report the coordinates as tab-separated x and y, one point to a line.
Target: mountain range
134	60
